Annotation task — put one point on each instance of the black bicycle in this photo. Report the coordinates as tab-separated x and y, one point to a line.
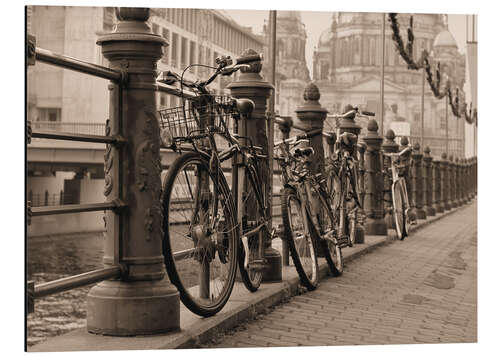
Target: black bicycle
308	221
208	229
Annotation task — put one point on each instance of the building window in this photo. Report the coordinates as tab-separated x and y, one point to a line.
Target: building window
175	40
192	54
166	36
184	49
49	114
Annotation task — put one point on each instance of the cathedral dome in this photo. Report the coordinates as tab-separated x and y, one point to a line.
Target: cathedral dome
445	39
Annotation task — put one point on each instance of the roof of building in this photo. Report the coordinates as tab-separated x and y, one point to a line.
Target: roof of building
445	39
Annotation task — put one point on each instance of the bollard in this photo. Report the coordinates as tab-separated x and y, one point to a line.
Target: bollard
428	183
374	224
141	301
349	125
418	182
251	85
285	134
388	146
437	197
406	160
445	182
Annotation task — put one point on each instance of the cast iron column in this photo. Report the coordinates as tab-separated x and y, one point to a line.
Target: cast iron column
418	182
142	301
312	116
453	183
374	224
445	182
428	183
438	198
251	85
389	146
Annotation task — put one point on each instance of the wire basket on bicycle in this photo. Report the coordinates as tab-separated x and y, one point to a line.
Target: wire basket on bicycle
196	118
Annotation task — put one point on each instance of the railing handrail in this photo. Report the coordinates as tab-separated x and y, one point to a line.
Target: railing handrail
67	62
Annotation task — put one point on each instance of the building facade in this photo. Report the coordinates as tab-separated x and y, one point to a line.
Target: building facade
346	68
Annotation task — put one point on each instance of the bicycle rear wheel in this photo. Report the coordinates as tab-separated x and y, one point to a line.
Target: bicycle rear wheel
399	210
300	242
200	241
327	226
252	273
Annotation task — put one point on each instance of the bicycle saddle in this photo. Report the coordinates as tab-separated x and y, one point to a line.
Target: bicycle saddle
303	151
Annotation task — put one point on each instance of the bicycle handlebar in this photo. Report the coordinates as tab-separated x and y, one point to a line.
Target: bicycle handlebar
308	135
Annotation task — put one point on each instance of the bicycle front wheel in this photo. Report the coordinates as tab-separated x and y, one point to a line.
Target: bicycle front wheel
200	242
399	210
295	230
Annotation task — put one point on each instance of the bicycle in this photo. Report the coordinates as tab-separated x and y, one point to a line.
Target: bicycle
305	201
207	231
343	181
400	203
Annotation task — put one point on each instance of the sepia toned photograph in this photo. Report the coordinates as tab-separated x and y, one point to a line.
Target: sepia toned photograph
201	178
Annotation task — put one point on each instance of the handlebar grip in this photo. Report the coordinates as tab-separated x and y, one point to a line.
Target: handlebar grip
368	114
249	58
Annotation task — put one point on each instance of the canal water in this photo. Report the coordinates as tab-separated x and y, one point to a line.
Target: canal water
51	258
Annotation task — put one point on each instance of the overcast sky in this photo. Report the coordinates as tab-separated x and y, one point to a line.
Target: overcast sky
318	21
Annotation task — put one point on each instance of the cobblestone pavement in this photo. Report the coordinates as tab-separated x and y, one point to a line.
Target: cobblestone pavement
420	290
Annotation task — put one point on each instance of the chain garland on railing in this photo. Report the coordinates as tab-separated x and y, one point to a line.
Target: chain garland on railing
406	52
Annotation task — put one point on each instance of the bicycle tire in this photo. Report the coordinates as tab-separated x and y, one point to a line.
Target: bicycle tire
302	249
201	265
399	210
332	251
252	278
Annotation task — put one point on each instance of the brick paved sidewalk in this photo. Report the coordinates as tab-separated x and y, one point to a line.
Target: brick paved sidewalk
421	290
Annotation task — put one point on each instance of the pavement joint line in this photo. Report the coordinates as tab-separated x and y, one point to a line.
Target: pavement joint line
248	306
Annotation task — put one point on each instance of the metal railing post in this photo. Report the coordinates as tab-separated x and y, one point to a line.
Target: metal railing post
445	181
418	182
452	181
388	146
428	183
437	196
141	301
312	115
251	85
374	224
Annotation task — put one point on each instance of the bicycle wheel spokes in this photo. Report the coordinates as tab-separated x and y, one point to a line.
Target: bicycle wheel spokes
398	209
200	236
300	241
